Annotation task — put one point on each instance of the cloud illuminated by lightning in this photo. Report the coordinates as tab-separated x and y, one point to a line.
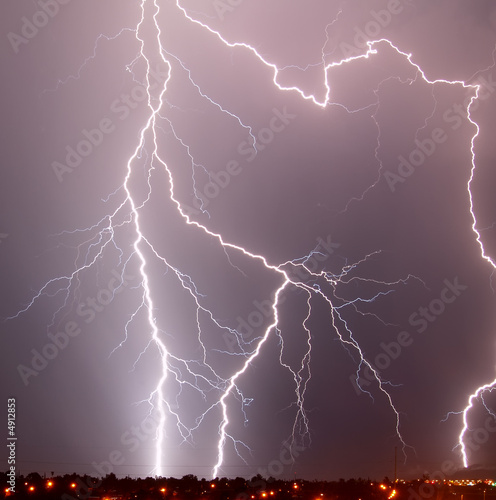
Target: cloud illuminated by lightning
325	286
372	50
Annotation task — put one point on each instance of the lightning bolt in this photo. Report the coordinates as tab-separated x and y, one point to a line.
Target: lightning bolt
478	394
199	374
372	50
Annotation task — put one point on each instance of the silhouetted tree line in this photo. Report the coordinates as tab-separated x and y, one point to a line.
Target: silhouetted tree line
84	487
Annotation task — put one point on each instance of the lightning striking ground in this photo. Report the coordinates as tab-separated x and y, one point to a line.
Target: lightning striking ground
201	375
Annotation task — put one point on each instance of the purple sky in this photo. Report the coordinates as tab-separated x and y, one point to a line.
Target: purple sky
363	187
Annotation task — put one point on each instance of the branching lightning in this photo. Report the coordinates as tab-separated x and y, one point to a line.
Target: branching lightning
199	374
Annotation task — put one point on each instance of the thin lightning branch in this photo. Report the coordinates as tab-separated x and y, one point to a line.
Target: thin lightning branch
77	75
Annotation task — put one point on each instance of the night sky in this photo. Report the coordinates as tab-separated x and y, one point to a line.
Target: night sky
171	168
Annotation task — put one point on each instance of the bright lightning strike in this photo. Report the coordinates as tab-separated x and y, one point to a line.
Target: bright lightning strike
372	50
478	394
325	286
